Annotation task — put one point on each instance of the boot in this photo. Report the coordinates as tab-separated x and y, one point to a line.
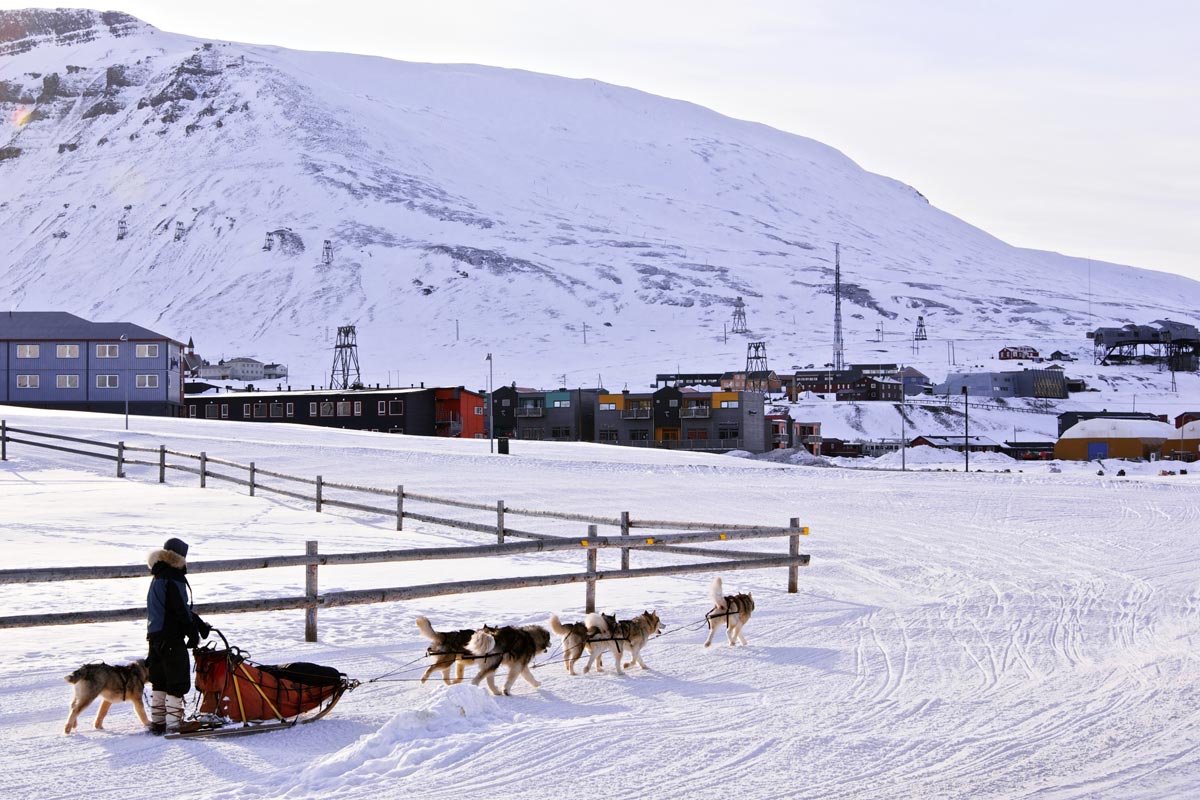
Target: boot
174	713
158	713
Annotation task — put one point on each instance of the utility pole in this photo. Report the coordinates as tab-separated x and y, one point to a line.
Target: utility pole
966	427
585	333
839	358
491	424
903	440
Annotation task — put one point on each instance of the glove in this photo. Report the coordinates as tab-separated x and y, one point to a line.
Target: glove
192	642
203	628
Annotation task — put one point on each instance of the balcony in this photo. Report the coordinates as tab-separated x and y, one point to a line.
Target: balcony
695	412
527	412
445	417
635	413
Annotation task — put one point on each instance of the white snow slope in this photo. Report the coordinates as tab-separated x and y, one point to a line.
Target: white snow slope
1023	635
475	209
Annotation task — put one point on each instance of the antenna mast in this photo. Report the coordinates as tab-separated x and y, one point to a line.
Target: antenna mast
345	359
839	356
739	317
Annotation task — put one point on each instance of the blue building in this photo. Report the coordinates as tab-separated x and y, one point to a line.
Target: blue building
52	359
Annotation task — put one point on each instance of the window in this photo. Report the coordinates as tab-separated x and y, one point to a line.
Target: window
358	408
146	351
562	404
210	411
191	411
68	381
147	382
673	402
480	436
290	410
107	382
505	403
383	408
479	411
560	433
108	350
276	410
67	351
260	410
533	433
28	381
224	410
639	435
608	434
697	433
245	411
396	407
326	408
727	433
608	406
312	409
729	404
29	350
343	408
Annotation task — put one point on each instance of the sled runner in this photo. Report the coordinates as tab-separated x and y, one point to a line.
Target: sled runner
239	696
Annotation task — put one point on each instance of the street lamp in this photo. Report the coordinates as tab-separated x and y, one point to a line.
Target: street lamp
966	427
903	439
490	421
125	339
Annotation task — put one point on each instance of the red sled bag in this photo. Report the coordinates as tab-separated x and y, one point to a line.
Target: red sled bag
234	687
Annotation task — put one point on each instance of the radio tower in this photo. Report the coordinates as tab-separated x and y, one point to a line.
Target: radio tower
839	356
739	317
921	335
756	361
327	253
345	359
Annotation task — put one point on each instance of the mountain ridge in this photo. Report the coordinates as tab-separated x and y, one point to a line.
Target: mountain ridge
474	209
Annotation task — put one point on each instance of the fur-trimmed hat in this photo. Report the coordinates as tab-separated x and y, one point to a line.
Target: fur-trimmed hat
176	546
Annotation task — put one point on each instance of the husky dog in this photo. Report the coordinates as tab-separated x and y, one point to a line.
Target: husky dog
576	637
447	651
732	611
511	647
616	636
112	685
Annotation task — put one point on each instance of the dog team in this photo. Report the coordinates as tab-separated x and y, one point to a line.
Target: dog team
516	647
492	647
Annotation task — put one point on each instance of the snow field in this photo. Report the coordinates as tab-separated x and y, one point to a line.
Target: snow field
983	635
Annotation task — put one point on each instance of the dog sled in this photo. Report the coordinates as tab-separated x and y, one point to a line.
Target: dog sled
238	696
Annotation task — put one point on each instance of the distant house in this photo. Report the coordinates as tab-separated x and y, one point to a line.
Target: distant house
914	381
1029	451
1018	353
1114	437
561	415
685	419
869	388
52	359
976	444
1068	419
840	447
1045	383
1059	355
757	381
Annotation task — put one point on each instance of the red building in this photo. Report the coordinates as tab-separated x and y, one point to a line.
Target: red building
459	413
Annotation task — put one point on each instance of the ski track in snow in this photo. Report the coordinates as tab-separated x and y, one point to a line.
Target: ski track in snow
982	636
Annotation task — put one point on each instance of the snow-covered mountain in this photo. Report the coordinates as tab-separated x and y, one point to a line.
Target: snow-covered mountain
472	210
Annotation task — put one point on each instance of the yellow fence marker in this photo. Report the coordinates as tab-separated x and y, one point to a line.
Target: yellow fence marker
722	537
804	531
583	542
649	541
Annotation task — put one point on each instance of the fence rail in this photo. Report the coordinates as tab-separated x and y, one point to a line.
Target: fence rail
675	544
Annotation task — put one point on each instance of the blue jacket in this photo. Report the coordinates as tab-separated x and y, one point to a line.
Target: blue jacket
168	610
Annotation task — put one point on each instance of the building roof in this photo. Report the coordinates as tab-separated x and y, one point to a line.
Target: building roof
1112	428
43	325
958	441
272	393
1190	430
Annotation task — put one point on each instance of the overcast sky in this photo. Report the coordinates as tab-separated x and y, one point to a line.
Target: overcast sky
1058	125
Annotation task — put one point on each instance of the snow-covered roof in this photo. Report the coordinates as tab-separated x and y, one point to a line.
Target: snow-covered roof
1190	430
958	441
1109	428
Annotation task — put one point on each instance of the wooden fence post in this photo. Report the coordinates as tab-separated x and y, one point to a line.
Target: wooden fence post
310	594
3	440
120	459
589	604
400	507
499	522
794	551
162	463
252	479
624	532
320	483
203	469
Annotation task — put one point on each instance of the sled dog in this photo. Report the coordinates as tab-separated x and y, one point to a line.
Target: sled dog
447	650
112	685
626	636
733	611
576	637
511	647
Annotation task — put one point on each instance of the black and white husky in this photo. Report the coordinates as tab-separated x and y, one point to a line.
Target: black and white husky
620	637
511	647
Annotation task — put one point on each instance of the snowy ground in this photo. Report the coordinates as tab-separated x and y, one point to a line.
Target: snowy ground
978	635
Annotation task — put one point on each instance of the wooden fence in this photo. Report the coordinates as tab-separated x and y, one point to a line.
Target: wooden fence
672	543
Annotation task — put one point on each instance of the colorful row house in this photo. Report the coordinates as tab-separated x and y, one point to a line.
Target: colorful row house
561	415
684	419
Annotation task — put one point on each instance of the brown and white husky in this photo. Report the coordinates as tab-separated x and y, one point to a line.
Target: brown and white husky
732	611
626	636
112	685
447	651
